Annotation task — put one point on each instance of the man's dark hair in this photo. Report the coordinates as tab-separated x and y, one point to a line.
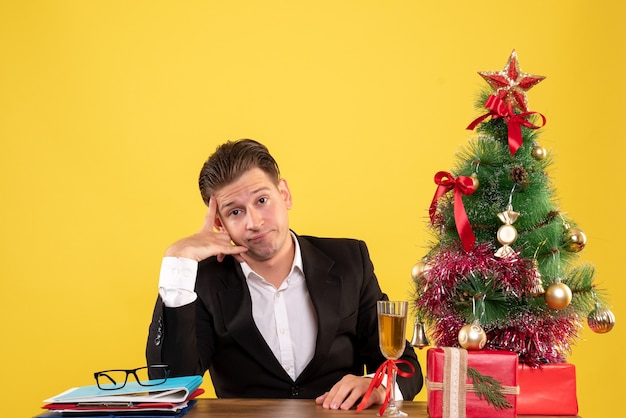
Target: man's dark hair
230	161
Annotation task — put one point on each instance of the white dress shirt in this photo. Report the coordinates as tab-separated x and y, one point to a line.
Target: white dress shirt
285	316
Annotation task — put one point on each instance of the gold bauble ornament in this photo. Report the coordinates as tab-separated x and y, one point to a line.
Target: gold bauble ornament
558	295
475	181
419	270
575	240
601	320
538	152
472	336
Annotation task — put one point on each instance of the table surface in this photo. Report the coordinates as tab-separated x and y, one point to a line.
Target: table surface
296	408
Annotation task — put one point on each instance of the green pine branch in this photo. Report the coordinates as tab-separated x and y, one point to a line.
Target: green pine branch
488	388
481	298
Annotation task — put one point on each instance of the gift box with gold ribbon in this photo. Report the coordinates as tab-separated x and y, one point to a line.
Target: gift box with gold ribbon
471	384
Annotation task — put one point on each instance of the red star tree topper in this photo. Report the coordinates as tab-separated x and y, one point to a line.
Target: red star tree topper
511	84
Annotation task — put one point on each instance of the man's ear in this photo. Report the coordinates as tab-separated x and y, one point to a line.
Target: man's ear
283	188
218	224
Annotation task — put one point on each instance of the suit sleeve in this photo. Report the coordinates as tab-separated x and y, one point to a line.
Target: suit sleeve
172	339
368	330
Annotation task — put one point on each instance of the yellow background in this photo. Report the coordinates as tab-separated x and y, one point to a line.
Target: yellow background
109	108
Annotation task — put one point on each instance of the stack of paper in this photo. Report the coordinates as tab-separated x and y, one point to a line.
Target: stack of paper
172	398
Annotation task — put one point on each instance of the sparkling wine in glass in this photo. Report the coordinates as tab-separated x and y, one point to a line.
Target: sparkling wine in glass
392	341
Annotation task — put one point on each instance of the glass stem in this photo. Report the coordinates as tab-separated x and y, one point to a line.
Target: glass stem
392	398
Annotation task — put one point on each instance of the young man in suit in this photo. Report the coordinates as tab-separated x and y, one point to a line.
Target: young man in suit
268	312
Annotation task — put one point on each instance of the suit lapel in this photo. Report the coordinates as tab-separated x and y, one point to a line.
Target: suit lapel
236	307
325	290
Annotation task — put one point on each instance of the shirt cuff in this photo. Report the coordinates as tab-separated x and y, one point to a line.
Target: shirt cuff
397	392
177	281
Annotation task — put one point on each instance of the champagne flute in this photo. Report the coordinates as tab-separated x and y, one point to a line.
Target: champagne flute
392	341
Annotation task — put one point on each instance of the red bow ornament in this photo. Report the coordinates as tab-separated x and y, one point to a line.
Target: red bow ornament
461	185
387	368
498	109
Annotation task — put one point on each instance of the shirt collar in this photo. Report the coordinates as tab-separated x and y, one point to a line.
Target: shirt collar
295	266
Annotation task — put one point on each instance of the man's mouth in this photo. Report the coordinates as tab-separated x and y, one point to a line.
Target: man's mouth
257	237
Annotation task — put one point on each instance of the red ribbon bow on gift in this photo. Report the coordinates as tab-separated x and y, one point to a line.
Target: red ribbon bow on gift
387	368
461	185
498	109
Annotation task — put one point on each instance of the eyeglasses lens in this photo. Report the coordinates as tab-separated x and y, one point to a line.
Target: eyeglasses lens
111	379
152	375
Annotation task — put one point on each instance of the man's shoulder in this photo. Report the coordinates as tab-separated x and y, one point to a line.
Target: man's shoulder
330	241
332	247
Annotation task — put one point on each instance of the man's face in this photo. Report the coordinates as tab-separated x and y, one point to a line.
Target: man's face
253	211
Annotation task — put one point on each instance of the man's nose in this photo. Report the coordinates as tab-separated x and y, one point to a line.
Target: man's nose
255	220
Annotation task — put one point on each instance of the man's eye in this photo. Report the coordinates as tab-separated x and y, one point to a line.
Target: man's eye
263	200
235	212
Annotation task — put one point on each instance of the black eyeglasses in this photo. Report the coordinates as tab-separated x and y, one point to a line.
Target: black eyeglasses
146	376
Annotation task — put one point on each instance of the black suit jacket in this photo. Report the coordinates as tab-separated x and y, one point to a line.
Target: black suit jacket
217	331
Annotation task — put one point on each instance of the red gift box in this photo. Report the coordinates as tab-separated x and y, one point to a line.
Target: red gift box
451	395
549	390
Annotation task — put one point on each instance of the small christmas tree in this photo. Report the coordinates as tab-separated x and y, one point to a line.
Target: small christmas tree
503	271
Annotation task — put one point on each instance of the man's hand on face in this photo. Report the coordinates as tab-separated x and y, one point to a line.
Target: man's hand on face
207	242
345	393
